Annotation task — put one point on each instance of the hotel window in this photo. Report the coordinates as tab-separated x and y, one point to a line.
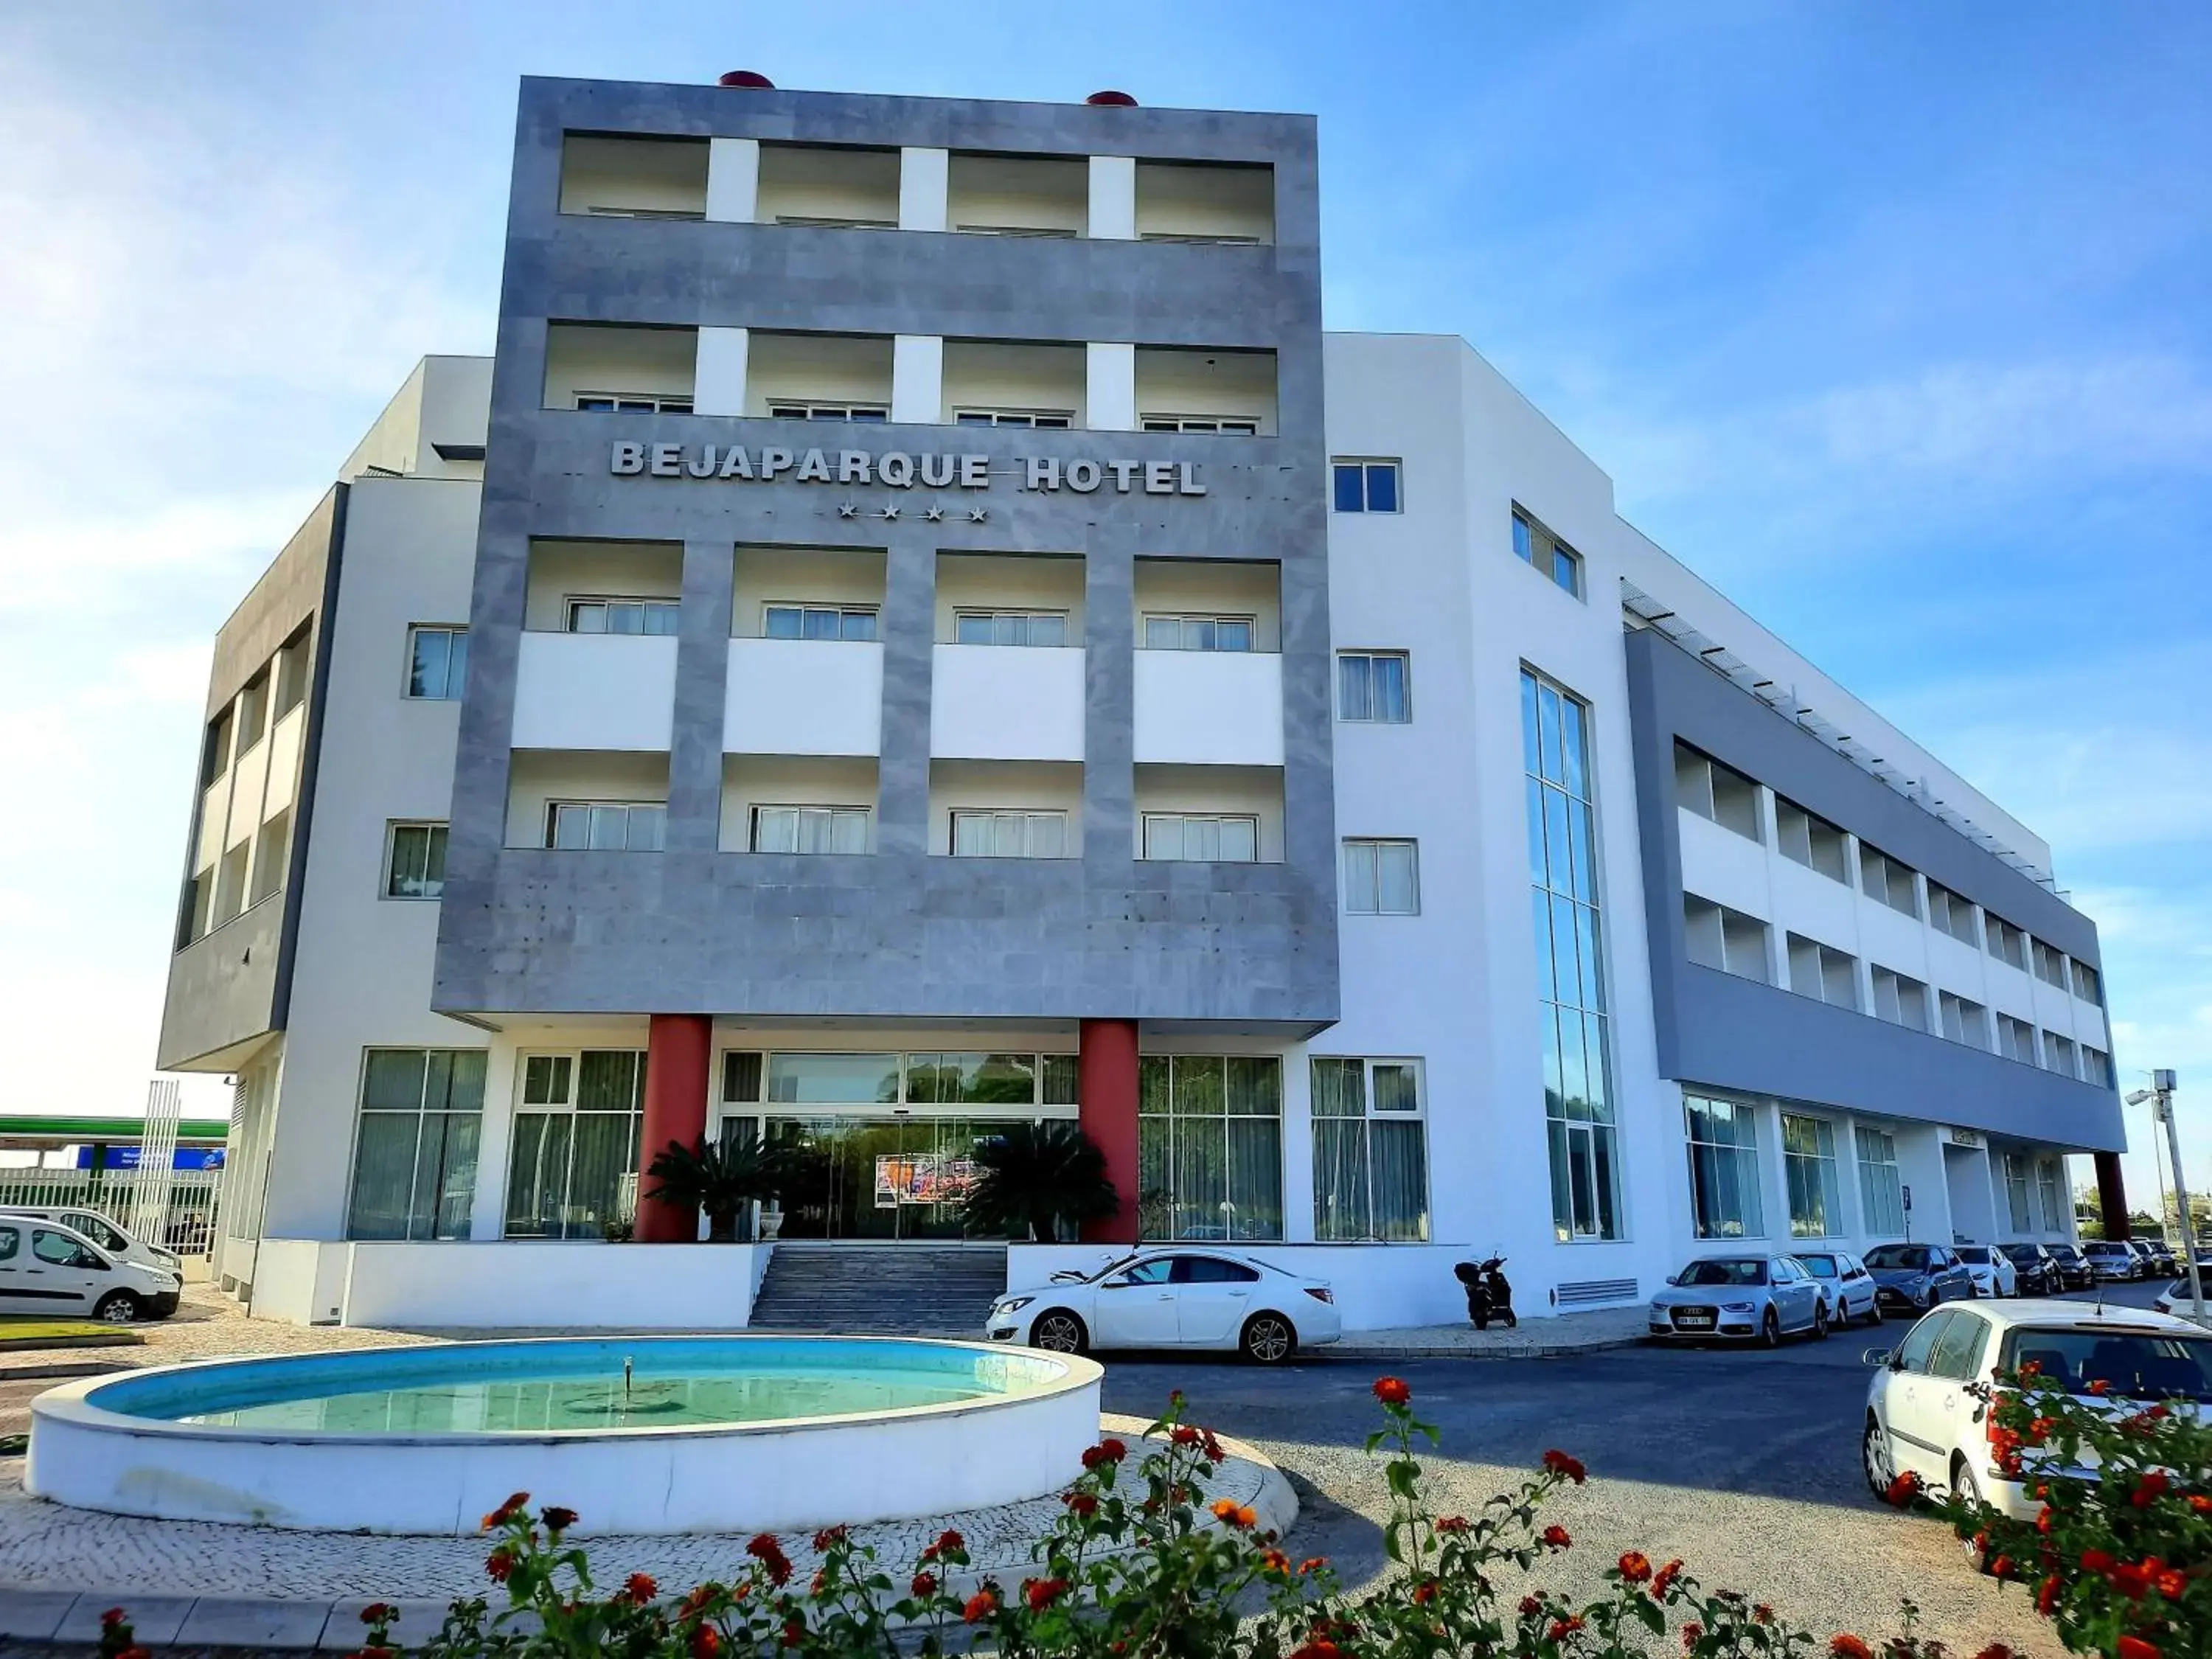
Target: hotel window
1823	973
2048	1189
1723	1168
2016	1039
1358	486
1881	877
1048	420
415	861
606	826
996	627
2096	1066
1534	546
1703	786
2050	964
2015	1175
1210	1147
631	403
1715	936
253	711
1202	837
1243	428
1808	1167
818	622
292	672
2088	983
2058	1054
1808	839
787	409
1963	1021
272	849
1370	1168
1900	998
1881	1191
809	829
1573	1028
1953	914
602	616
996	833
573	1168
437	662
1372	686
415	1146
214	749
1381	878
2007	944
1163	633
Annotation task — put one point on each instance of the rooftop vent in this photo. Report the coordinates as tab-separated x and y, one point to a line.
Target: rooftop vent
1112	100
752	79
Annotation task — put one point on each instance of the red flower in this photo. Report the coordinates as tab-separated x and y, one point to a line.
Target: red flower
794	1632
1392	1391
506	1511
2099	1386
2149	1489
1106	1451
1845	1645
695	1603
949	1542
1230	1513
1452	1524
2130	1580
1556	1537
1081	1503
1215	1451
1563	1628
2133	1647
828	1539
2001	1567
1996	1650
1184	1434
641	1588
2096	1561
819	1582
499	1564
1664	1580
379	1613
1275	1561
1762	1614
706	1643
925	1584
981	1605
2170	1584
1560	1463
1319	1648
1042	1593
1531	1605
1635	1568
557	1519
2046	1597
2200	1503
1903	1490
1312	1564
1425	1592
111	1619
1690	1633
770	1554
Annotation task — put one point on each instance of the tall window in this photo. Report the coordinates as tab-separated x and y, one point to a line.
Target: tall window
1723	1168
2007	944
292	671
1008	833
2048	1185
1808	1162
1370	686
1811	840
1363	486
1369	1151
1381	878
1881	877
437	662
252	711
1570	974
415	861
2015	1175
415	1150
1712	790
1882	1194
607	826
1202	837
810	829
1534	546
574	1165
1210	1147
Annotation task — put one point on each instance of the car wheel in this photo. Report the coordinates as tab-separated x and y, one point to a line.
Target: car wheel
1770	1330
1968	1490
1874	1461
1058	1331
1820	1319
1268	1340
117	1307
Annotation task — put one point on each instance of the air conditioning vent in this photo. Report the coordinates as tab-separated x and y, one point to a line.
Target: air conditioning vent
1590	1292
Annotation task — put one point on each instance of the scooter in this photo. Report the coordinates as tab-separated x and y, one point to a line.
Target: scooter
1488	1295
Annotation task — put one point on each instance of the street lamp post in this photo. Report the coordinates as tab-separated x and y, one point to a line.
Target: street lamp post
2161	1093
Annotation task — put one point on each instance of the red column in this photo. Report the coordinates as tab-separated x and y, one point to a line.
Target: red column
677	1052
1106	1085
2112	1196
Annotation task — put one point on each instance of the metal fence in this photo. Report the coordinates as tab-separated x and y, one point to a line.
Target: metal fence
188	1220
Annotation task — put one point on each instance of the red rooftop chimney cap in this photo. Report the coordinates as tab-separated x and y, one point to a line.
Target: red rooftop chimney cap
1112	100
749	78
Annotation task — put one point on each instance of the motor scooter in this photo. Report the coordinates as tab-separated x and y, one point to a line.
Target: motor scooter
1488	1295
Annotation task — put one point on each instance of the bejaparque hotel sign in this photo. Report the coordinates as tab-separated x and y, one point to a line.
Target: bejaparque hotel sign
897	469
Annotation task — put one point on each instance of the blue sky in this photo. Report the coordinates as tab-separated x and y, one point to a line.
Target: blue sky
1893	321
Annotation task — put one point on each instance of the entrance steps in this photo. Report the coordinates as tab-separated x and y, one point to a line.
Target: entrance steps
880	1290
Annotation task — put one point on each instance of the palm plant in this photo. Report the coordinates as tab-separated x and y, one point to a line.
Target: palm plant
720	1178
1032	1177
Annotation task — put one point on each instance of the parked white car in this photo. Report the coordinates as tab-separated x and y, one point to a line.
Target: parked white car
1994	1273
50	1269
1922	1417
1844	1281
106	1234
1173	1299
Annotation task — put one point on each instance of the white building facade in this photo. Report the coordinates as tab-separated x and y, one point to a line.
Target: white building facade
918	630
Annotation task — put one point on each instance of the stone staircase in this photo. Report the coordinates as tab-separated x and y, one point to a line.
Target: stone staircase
880	1290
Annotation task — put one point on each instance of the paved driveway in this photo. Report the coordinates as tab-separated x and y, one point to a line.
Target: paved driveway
1744	1463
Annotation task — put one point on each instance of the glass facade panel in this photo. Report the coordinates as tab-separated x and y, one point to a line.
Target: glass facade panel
572	1172
1723	1168
1210	1147
414	1154
1370	1171
1808	1160
1881	1191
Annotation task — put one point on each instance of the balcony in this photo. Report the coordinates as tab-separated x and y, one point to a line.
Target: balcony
620	366
1006	809
822	377
1017	196
579	801
1209	814
990	383
1209	681
626	178
596	664
803	804
1199	389
805	673
850	188
1205	201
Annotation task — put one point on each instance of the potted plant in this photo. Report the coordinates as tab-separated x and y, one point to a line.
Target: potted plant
1033	1178
718	1179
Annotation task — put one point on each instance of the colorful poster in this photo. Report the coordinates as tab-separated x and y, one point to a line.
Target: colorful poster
923	1178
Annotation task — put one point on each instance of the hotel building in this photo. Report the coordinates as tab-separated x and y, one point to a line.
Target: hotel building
917	627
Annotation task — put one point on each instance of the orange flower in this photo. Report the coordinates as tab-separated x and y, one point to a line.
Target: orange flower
1635	1568
1230	1513
641	1588
1312	1564
1557	1537
1042	1593
981	1605
1664	1580
1845	1645
2133	1647
1425	1592
1452	1524
1392	1391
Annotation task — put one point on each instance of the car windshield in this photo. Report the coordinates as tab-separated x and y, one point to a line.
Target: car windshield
1911	1257
1722	1273
2108	1249
2132	1365
2020	1252
1820	1266
1975	1254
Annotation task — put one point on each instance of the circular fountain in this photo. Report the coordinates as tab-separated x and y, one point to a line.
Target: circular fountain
636	1434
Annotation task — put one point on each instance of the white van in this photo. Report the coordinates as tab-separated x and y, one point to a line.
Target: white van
48	1268
104	1233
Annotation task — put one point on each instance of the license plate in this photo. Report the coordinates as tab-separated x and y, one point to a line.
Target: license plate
1695	1321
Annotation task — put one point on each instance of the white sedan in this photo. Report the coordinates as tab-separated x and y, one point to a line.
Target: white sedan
1172	1299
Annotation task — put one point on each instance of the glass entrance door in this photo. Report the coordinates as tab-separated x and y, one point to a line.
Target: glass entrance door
888	1177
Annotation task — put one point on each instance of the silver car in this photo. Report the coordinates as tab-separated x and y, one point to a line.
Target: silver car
1845	1282
1742	1298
